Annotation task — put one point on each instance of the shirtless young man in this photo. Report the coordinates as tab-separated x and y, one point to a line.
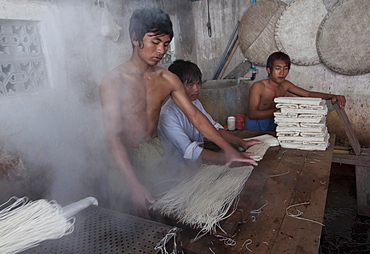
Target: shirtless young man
261	106
132	95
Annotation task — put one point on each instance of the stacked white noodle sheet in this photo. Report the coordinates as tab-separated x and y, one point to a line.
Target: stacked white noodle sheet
301	123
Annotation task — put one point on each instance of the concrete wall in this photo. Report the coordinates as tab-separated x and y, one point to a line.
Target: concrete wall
225	14
58	131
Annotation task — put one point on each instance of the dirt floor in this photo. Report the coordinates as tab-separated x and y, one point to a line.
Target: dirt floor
344	232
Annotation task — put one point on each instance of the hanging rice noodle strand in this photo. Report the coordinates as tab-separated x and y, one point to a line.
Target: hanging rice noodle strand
204	199
23	225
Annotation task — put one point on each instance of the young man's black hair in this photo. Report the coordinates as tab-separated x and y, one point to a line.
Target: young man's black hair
186	71
149	20
277	56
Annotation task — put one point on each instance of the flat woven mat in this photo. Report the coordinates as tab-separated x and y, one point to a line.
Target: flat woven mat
256	30
296	29
343	39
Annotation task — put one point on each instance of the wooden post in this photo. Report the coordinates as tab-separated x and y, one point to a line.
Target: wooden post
235	46
363	190
362	167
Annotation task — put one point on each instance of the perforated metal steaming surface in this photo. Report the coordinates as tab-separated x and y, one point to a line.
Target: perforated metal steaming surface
99	230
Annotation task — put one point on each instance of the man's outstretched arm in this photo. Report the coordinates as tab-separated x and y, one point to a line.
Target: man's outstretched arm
203	125
325	96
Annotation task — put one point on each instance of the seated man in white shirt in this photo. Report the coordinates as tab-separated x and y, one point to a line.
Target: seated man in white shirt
180	138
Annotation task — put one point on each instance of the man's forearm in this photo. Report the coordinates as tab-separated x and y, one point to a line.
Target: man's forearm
324	96
208	130
122	162
232	139
208	156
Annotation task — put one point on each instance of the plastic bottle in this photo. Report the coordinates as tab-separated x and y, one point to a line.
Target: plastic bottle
254	72
231	123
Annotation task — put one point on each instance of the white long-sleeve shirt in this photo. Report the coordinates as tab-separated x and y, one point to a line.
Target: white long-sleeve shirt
178	135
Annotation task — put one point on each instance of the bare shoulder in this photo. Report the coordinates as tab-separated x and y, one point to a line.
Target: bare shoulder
287	84
259	85
117	79
113	77
261	82
172	79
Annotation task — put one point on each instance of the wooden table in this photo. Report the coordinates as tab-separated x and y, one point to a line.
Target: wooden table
304	179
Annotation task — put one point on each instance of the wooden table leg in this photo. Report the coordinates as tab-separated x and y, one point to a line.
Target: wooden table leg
363	190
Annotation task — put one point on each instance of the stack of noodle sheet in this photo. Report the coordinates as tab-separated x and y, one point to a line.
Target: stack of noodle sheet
302	123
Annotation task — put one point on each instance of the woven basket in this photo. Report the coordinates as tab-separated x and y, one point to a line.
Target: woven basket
296	30
256	30
343	40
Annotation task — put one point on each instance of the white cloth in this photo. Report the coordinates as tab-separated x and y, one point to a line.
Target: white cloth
109	27
178	135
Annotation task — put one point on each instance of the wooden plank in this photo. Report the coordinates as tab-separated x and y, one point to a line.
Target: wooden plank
240	70
298	235
227	51
283	177
365	151
230	55
205	244
361	160
363	190
250	198
262	228
348	129
357	160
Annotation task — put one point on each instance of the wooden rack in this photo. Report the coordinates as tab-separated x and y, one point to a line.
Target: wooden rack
360	159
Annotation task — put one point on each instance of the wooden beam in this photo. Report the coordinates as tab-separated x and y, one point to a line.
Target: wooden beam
229	57
348	129
349	159
227	51
365	151
239	71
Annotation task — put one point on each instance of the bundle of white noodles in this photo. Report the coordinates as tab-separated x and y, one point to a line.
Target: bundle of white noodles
204	199
24	224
